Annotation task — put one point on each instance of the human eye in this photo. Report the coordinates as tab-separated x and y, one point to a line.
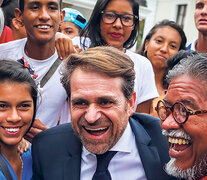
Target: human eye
109	15
199	5
34	6
158	41
3	106
53	7
24	106
174	46
105	102
69	32
79	103
127	18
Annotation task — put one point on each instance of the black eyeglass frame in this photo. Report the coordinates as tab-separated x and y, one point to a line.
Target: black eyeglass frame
171	108
120	17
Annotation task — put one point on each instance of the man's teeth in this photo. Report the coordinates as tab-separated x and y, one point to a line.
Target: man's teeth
178	141
98	129
12	130
43	27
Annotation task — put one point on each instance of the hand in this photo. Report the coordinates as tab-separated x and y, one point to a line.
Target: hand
37	127
64	45
77	48
23	146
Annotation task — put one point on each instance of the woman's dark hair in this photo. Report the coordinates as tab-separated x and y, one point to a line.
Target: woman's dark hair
161	24
12	71
93	31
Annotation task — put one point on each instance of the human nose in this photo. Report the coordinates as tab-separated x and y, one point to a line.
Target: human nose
204	10
92	114
169	123
117	22
13	116
44	14
164	47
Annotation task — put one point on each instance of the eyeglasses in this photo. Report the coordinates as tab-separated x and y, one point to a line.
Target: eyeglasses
109	17
179	112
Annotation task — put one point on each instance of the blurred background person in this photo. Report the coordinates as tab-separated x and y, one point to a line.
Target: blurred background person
5	30
73	22
13	28
163	41
200	17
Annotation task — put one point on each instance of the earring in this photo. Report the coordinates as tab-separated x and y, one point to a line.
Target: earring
145	52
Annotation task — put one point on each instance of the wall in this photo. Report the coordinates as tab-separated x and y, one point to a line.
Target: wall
167	9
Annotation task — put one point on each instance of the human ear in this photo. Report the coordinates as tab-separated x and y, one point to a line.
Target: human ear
131	104
62	15
18	16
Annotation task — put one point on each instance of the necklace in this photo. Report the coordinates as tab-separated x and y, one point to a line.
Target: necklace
22	164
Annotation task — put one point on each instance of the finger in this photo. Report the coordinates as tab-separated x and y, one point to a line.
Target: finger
34	131
69	48
58	49
62	48
39	125
28	138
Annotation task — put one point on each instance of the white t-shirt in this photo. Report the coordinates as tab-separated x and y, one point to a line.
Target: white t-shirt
52	96
192	45
145	87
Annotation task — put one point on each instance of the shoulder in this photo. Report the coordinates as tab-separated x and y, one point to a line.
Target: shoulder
139	60
13	44
148	125
135	56
12	50
64	129
56	137
146	120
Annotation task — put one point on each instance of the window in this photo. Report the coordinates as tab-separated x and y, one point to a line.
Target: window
181	13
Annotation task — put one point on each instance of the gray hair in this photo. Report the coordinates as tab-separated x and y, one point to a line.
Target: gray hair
194	66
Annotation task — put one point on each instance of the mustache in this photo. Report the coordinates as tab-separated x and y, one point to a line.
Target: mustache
176	133
103	120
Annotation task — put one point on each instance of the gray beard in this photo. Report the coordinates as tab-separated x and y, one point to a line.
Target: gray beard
196	172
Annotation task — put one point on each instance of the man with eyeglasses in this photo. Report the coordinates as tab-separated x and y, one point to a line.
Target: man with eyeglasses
183	114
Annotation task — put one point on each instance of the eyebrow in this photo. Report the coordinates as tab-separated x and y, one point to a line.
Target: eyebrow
25	101
189	102
160	36
68	28
39	3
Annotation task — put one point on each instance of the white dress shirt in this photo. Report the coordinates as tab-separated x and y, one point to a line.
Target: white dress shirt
125	165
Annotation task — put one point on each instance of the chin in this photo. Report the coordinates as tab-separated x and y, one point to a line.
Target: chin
197	171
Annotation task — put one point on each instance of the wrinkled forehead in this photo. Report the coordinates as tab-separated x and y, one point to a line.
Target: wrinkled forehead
186	87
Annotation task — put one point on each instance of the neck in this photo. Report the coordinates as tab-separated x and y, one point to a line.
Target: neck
201	43
39	51
158	80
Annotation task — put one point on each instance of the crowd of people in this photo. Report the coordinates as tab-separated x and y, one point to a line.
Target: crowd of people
77	103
